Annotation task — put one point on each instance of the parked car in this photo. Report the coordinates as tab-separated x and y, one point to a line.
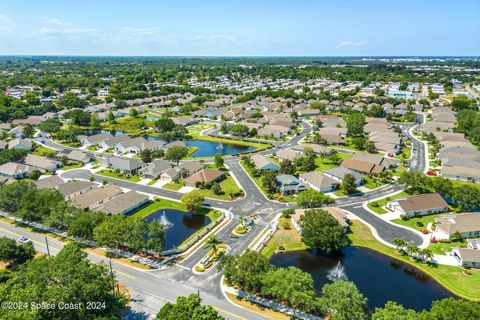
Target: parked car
23	239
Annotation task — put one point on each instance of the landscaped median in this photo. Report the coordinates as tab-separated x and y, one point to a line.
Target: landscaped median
211	258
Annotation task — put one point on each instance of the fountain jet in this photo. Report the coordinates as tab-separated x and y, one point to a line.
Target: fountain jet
337	273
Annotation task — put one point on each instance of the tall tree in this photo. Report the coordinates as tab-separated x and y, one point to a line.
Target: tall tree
342	300
193	200
187	308
320	230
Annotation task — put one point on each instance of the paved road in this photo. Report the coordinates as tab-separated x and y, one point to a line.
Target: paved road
149	289
156	287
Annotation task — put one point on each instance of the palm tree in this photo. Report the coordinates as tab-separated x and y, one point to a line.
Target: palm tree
399	243
212	243
427	255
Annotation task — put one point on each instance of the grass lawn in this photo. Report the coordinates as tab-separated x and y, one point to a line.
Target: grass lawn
44	151
451	277
191	150
229	189
323	164
399	170
174	185
442	247
290	239
152	182
112	174
128	124
412	222
462	183
372	183
382	202
72	165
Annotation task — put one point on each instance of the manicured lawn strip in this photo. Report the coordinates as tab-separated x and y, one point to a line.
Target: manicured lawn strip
462	183
174	185
44	151
152	182
451	277
290	239
382	202
412	222
121	176
192	150
372	183
439	247
228	186
72	165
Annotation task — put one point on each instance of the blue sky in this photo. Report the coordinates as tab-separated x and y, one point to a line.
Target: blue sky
238	28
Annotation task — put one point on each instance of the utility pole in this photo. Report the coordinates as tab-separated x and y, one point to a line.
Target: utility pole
48	249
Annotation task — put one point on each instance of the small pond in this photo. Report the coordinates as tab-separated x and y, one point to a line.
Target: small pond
178	225
205	148
380	278
210	148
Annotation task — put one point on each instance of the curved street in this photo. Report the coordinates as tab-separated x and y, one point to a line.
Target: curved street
159	285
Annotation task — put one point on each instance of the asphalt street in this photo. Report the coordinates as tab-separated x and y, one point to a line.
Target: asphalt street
151	289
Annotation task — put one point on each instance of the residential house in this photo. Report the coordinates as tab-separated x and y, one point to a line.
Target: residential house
12	170
204	176
124	204
75	155
465	224
96	197
190	167
289	184
20	144
263	163
41	163
362	166
111	142
420	205
73	188
285	154
96	139
339	172
49	182
318	181
316	148
467	257
154	169
125	165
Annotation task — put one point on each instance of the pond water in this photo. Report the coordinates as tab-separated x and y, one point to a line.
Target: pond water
205	148
378	277
210	148
150	118
178	225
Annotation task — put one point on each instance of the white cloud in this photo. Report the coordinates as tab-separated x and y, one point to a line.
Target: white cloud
66	31
4	18
59	22
209	37
139	32
353	43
